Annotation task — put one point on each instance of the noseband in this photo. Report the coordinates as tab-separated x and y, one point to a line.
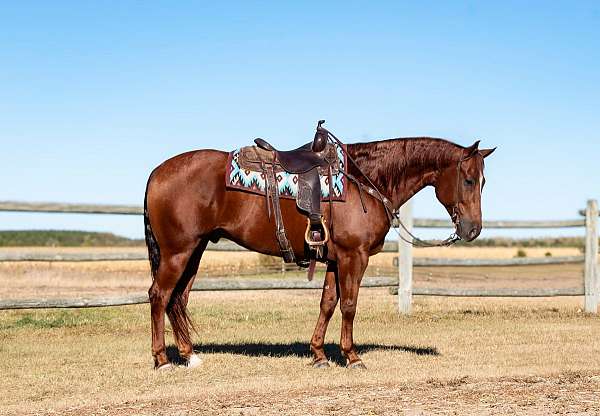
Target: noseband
454	211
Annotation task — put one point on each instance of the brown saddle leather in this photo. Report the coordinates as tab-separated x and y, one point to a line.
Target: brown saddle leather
305	158
299	160
308	162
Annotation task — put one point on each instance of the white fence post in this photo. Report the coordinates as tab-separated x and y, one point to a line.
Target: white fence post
591	278
405	262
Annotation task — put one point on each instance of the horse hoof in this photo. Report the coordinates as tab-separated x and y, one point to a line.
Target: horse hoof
167	366
194	361
356	365
321	364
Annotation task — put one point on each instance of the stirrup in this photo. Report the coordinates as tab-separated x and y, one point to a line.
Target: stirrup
313	243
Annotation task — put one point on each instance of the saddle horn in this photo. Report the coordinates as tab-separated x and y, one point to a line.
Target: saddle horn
320	140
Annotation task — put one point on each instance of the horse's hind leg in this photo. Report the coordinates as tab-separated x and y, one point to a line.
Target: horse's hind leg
329	299
177	308
170	270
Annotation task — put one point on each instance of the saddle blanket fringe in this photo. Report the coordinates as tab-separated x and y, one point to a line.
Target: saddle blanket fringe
253	181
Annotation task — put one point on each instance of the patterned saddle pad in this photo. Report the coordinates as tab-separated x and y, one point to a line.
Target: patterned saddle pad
244	173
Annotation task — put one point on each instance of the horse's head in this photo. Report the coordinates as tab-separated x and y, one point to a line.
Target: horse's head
458	187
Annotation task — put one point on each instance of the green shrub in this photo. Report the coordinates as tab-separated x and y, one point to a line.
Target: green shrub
521	253
269	262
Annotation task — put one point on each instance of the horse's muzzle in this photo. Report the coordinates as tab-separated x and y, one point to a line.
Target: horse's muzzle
467	230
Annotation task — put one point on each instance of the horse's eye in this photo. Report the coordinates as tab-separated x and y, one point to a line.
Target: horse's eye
469	182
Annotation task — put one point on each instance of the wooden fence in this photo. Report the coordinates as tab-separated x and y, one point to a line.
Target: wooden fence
591	277
403	284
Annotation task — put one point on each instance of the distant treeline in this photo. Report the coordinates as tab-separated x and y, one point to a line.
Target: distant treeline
56	238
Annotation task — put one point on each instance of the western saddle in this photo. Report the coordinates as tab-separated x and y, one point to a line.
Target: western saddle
308	162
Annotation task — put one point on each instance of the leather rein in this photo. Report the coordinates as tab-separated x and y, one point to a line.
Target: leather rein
393	214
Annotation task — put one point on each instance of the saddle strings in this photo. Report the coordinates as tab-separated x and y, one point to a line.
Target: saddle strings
391	213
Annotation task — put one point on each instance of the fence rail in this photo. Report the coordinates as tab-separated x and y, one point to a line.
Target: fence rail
213	284
405	290
56	207
517	261
82	257
435	223
591	277
95	302
495	293
417	262
65	208
279	284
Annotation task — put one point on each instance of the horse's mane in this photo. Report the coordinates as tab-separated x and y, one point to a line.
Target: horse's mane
387	161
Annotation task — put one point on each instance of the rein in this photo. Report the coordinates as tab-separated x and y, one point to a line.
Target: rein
391	213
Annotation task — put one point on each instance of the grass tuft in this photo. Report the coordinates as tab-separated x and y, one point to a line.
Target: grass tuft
55	319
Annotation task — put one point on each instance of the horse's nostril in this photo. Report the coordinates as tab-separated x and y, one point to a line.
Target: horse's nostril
473	233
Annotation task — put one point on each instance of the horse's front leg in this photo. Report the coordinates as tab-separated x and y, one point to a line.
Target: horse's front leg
351	267
329	300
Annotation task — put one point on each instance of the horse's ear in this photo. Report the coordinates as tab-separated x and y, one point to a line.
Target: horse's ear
472	150
486	152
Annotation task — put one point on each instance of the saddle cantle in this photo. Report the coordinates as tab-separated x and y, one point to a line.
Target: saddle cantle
305	158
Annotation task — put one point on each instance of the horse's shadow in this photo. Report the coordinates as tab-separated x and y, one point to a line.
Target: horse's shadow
293	349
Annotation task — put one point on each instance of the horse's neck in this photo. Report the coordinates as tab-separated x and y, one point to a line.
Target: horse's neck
401	167
412	185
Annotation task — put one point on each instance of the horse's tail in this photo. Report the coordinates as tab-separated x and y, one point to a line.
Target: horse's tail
151	244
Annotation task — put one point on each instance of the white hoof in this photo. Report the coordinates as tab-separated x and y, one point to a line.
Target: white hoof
194	361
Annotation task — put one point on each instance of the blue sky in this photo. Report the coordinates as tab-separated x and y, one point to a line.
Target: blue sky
93	95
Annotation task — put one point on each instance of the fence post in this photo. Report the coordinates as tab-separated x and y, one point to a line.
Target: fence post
591	277
405	262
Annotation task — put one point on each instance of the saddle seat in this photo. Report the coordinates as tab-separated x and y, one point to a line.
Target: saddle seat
299	160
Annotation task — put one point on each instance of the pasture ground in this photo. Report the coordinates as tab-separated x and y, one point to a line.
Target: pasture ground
452	356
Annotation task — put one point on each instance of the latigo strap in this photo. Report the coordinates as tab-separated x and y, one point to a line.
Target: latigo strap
272	190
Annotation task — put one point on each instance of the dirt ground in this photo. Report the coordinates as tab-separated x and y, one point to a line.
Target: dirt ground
569	393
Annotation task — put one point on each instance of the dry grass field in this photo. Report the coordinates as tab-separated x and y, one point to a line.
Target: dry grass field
64	279
466	356
452	356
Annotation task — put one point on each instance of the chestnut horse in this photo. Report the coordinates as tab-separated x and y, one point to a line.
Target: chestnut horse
187	205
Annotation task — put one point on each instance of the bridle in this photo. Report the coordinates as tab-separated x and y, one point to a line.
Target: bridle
455	212
393	214
454	216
